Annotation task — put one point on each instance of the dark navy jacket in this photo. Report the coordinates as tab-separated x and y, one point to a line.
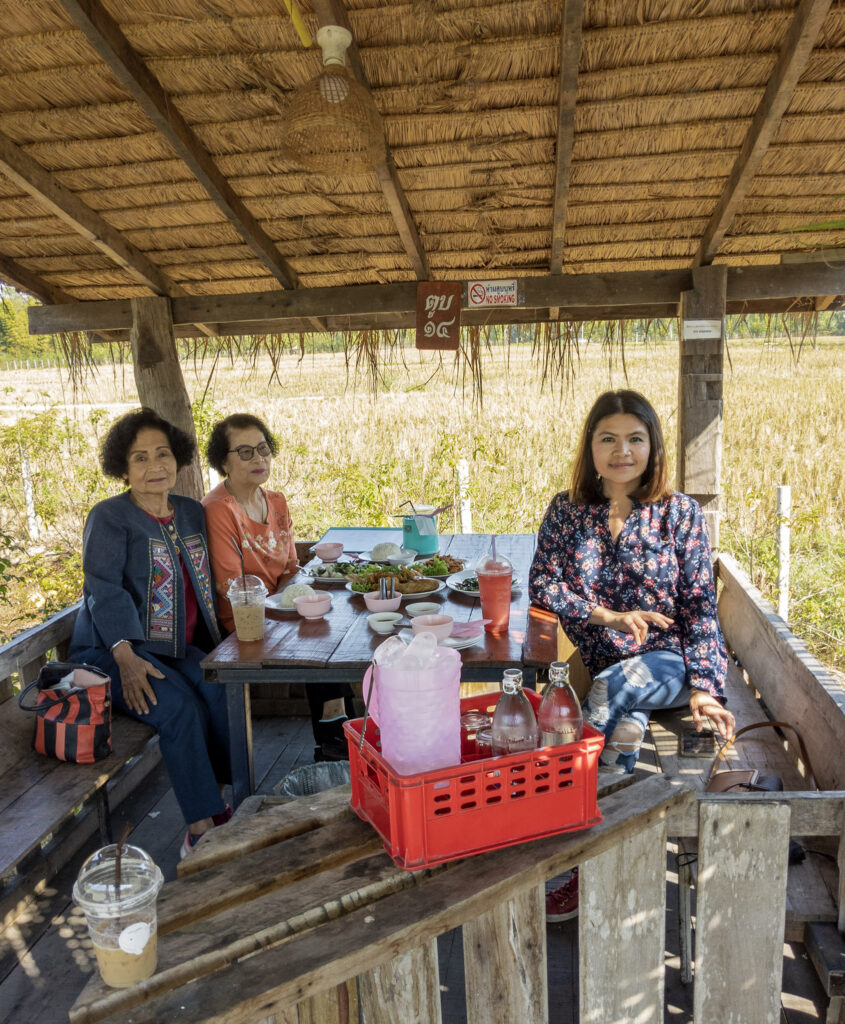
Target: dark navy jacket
134	588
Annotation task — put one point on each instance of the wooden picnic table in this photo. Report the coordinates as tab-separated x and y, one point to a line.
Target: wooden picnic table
339	647
294	912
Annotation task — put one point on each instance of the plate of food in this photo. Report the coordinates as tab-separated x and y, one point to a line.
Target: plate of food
439	566
407	582
328	573
433	587
466	582
388	553
283	601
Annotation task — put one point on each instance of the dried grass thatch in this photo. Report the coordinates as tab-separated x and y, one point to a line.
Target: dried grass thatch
468	95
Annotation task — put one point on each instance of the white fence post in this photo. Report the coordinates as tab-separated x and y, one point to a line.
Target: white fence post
463	494
784	512
29	498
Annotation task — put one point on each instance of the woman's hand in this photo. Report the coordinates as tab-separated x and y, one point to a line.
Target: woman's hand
134	681
636	622
705	705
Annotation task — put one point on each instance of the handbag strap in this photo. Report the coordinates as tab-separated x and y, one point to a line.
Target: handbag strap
66	694
39	704
805	757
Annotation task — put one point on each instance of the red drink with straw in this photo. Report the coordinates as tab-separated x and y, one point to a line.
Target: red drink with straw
495	575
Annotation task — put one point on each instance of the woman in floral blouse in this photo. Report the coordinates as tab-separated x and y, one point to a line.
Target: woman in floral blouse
625	563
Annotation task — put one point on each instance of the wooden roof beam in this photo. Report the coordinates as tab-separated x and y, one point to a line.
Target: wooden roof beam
609	291
570	57
23	280
105	36
37	182
19	277
792	60
332	12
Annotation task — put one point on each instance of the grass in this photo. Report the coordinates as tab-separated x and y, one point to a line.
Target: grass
351	457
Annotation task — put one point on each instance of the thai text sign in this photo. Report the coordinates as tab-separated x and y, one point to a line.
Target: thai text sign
702	329
439	315
492	293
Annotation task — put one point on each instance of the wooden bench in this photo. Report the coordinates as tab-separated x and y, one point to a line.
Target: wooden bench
49	808
772	677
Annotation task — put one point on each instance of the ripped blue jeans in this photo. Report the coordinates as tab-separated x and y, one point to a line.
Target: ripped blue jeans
623	696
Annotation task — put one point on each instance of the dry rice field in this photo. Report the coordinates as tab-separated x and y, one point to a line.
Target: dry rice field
350	455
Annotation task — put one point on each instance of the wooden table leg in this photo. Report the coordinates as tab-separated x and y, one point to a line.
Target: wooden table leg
240	741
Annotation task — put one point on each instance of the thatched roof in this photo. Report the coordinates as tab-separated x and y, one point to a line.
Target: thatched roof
470	96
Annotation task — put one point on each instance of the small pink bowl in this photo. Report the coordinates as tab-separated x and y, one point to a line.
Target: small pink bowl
328	551
313	606
440	625
376	604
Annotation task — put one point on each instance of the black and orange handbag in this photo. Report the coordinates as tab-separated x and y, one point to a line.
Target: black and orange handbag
72	712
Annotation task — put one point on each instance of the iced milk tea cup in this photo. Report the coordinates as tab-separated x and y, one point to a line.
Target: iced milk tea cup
247	595
121	916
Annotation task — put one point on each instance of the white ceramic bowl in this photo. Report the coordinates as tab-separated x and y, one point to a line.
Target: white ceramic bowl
439	625
405	557
375	604
328	551
313	606
422	608
383	622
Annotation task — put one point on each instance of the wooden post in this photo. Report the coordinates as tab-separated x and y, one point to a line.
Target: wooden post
701	351
159	379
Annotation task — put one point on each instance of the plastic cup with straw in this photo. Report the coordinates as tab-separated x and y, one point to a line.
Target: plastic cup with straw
247	595
495	576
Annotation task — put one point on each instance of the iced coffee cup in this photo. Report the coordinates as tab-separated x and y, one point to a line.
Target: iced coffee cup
121	912
246	596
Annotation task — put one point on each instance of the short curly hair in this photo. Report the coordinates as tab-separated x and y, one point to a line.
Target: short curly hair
218	443
114	453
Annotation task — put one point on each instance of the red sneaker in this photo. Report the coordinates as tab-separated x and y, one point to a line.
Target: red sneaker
224	816
562	903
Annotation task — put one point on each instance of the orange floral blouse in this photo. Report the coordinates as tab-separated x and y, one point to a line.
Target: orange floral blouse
268	548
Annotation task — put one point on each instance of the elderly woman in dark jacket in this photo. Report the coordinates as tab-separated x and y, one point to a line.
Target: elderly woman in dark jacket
148	612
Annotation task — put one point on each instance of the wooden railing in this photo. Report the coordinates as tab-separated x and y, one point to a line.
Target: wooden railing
21	659
271	940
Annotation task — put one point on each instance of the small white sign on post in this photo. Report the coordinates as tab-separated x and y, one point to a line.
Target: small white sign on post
492	293
702	329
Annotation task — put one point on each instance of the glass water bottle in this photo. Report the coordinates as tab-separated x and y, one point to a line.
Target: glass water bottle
514	721
559	715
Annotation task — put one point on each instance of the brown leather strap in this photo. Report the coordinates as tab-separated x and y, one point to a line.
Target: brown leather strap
805	757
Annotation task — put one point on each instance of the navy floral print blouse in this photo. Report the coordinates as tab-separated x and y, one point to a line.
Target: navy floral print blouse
660	562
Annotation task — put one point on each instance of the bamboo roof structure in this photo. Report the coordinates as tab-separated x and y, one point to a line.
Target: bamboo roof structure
139	143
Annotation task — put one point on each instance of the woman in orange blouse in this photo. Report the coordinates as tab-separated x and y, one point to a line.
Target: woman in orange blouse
241	449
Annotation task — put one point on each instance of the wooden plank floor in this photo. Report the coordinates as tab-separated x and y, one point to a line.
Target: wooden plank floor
38	987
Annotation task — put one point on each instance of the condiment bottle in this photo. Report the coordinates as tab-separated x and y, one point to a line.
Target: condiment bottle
559	715
514	721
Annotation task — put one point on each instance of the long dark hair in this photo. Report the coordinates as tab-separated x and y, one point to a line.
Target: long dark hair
586	487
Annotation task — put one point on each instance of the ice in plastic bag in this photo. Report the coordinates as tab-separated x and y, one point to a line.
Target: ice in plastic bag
416	703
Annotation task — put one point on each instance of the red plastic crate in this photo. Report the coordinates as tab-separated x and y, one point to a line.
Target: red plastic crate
454	812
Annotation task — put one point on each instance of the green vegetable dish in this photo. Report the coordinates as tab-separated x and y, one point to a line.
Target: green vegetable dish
433	567
471	583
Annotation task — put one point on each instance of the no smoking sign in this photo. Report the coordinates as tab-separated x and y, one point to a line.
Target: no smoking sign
492	293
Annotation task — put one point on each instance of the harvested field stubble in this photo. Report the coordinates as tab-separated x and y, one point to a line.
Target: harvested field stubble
350	457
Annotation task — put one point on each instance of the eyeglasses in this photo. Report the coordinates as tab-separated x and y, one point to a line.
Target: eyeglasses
246	451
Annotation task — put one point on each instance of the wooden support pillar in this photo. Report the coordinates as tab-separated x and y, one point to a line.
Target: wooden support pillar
159	379
701	352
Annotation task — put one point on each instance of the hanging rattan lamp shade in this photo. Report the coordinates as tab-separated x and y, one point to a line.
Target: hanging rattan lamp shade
331	125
